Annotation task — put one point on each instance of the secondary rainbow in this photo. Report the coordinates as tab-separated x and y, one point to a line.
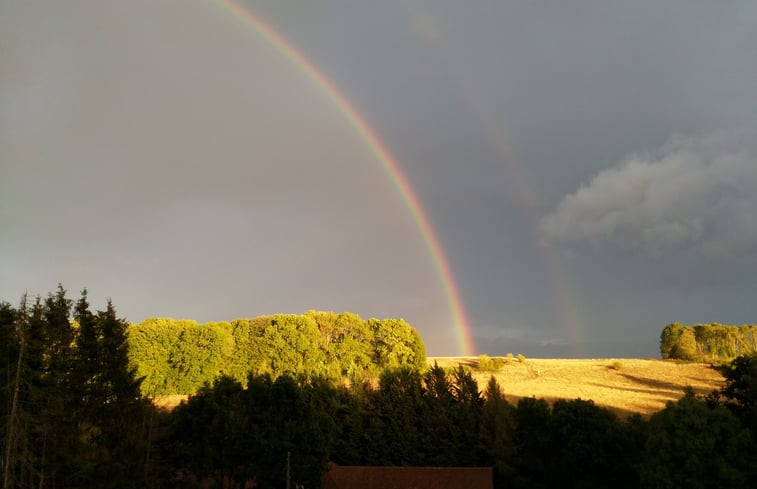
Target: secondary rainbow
563	305
383	155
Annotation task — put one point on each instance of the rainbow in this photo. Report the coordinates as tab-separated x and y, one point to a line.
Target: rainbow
563	304
383	155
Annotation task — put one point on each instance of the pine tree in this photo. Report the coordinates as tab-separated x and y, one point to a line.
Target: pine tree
110	412
11	354
59	434
36	432
497	433
71	408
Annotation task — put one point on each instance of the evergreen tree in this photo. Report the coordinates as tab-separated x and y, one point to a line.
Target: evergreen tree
58	442
118	411
534	447
467	417
37	437
497	433
11	352
437	420
394	431
72	411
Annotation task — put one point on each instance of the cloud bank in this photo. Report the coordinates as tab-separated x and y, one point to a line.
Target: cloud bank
694	193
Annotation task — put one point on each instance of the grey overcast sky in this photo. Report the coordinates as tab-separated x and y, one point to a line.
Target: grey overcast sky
589	166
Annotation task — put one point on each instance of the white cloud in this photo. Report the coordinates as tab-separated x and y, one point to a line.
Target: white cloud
694	193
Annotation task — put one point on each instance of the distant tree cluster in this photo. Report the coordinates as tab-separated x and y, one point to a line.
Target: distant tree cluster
180	356
707	342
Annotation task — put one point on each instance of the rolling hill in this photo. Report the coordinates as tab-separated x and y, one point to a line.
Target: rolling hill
625	386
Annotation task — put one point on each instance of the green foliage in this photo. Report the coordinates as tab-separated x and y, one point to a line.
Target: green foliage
590	447
741	390
346	340
489	364
696	445
247	353
686	348
177	357
292	345
180	356
521	358
396	343
669	338
707	342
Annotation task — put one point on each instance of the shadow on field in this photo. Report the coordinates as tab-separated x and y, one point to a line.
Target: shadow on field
469	362
667	392
703	380
655	385
619	412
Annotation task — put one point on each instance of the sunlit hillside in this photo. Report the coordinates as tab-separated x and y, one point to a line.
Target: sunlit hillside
625	386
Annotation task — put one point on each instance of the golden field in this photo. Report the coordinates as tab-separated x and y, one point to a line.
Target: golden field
625	385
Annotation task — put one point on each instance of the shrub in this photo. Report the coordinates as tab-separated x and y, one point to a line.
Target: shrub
489	364
521	358
484	362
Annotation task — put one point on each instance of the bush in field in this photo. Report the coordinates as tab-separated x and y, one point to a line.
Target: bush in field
521	358
616	365
489	364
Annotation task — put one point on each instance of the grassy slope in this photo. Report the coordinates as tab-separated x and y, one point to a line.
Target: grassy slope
623	385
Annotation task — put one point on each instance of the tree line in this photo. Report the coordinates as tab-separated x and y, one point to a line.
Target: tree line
180	356
707	342
72	415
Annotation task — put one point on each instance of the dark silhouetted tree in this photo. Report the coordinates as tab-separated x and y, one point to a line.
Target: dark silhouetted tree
497	433
696	445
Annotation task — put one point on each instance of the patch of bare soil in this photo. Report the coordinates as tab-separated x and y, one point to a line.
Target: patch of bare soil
625	385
